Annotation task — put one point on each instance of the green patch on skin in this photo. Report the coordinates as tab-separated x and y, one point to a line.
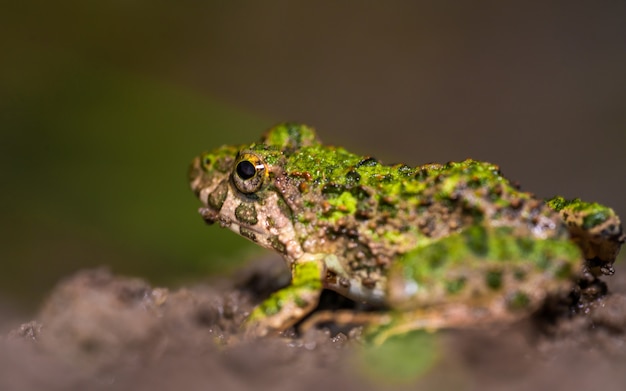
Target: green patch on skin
596	218
246	212
564	271
277	244
342	205
394	237
247	233
456	285
478	250
307	275
269	307
290	136
476	239
220	159
338	167
519	274
306	281
323	164
493	278
593	213
518	301
559	203
218	196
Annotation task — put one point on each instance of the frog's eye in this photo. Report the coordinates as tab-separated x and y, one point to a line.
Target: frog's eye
250	172
246	170
206	160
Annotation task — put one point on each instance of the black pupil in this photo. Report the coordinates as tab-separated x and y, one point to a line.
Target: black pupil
245	170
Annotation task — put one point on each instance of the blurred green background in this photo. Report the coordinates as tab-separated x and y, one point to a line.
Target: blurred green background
103	105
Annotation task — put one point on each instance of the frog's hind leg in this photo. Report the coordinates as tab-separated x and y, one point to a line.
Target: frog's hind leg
479	275
382	325
436	318
595	228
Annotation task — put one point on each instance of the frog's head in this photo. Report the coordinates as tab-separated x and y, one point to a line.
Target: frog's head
242	187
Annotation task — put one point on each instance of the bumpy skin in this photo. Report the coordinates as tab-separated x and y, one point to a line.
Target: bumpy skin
439	245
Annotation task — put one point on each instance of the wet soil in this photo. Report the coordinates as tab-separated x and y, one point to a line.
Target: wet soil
98	331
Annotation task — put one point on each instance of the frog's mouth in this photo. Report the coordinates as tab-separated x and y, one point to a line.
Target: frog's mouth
210	216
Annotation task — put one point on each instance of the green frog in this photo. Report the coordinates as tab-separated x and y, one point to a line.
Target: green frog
429	247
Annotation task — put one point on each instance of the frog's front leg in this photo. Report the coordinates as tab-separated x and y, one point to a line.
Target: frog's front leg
289	305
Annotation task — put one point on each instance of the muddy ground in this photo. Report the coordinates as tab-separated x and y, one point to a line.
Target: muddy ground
98	331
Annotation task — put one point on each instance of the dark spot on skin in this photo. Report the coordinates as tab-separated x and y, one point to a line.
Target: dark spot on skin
476	182
422	174
360	193
525	245
543	261
387	178
277	244
303	175
436	254
246	213
518	301
224	222
300	302
364	214
494	279
564	271
368	282
224	164
352	178
284	208
476	238
387	205
516	203
595	219
333	189
367	162
456	285
247	233
519	275
405	170
218	196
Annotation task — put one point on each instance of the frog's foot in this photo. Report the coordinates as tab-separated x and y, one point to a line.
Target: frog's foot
449	316
277	314
589	288
380	326
289	305
595	228
343	318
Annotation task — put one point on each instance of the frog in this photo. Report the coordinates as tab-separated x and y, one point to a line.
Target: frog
429	247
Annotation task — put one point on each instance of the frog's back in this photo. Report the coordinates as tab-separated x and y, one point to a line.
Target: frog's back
392	210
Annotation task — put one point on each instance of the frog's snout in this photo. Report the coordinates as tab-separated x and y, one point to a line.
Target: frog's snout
194	175
209	216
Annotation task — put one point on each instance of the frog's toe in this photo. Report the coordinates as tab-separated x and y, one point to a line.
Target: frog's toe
255	329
